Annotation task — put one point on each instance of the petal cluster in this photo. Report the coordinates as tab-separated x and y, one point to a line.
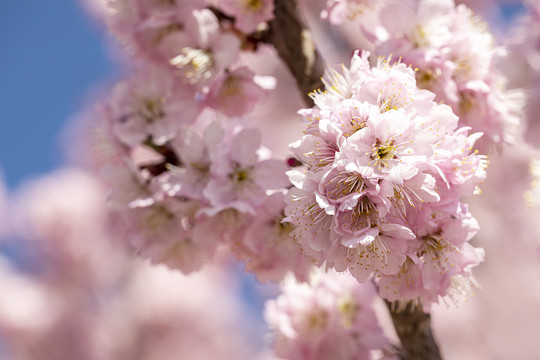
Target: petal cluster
380	154
331	317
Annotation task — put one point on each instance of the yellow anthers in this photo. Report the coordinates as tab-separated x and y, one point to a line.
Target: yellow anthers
253	5
196	64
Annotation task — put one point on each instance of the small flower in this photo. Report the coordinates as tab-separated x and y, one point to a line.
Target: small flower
150	106
236	92
267	247
240	179
248	14
442	256
203	50
170	233
337	11
329	318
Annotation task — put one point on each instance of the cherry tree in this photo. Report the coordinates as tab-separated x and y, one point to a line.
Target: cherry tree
350	184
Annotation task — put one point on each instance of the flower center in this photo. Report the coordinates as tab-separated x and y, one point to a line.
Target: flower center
363	216
230	87
348	309
253	5
316	321
344	184
195	63
356	9
357	123
420	38
467	101
151	109
240	175
383	153
425	78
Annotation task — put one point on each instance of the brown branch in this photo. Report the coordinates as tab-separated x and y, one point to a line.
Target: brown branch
294	46
413	327
169	158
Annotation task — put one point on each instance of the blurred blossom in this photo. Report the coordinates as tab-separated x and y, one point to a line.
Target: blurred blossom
89	300
248	14
331	317
522	66
63	218
162	314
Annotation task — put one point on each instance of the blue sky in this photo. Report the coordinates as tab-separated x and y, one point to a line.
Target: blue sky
51	56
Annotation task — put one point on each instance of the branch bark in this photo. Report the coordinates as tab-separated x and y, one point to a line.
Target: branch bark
413	327
295	47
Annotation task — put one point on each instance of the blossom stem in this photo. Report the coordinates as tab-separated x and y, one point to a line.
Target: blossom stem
295	47
413	327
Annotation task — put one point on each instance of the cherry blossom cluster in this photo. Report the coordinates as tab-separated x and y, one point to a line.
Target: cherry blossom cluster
217	188
454	56
189	171
197	55
386	167
331	317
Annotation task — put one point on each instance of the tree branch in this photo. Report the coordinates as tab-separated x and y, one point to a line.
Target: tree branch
295	47
413	327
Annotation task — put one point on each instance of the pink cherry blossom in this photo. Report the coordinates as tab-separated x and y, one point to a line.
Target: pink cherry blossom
169	232
190	43
337	11
248	14
266	245
236	92
202	51
240	178
151	105
328	318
